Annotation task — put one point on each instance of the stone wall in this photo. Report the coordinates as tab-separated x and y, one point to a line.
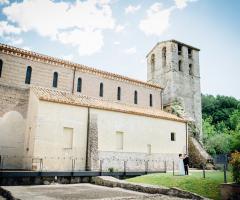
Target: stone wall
13	109
48	139
14	72
132	161
138	133
146	188
13	99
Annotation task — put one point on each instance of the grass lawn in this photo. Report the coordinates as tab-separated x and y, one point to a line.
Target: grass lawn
208	187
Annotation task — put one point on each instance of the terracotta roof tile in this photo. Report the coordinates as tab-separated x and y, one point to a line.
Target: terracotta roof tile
64	97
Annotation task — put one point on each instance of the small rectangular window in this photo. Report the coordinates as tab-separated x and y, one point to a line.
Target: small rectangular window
173	137
55	79
119	140
119	93
179	49
135	97
189	52
1	65
67	138
150	100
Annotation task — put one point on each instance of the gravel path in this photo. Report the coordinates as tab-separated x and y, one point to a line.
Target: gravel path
79	192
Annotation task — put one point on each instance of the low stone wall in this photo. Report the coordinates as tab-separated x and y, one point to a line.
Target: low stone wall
133	161
44	180
6	194
146	188
230	191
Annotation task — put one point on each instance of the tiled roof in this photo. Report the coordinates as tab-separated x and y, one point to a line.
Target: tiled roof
56	61
64	97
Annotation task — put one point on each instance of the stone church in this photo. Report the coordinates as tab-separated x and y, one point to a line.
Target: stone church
57	115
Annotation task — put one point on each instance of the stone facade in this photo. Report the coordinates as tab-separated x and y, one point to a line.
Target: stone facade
35	124
169	65
15	64
94	145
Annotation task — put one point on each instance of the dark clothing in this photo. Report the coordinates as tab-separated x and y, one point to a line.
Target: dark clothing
186	169
186	163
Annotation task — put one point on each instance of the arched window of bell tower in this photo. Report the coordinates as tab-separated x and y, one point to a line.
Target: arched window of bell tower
152	62
164	56
190	69
180	66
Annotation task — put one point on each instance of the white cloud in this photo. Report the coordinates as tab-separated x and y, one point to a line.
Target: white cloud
157	20
183	3
43	16
143	61
26	48
130	51
17	41
132	9
14	40
119	28
68	57
55	20
4	1
88	42
116	43
6	28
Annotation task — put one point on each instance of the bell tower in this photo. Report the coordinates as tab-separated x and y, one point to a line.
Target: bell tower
175	66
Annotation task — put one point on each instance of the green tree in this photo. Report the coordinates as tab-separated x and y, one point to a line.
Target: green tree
221	124
218	144
235	120
235	141
219	108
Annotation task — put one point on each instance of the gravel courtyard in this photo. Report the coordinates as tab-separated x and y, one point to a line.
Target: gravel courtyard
78	191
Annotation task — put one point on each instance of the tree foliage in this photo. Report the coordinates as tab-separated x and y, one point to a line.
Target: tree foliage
221	124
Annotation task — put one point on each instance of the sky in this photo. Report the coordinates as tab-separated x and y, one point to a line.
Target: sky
116	35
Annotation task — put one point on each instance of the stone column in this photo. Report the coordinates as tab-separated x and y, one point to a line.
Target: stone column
92	155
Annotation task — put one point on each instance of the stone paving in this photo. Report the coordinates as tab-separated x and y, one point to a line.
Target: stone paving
80	192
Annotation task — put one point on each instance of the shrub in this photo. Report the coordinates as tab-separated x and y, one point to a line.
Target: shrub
235	162
111	169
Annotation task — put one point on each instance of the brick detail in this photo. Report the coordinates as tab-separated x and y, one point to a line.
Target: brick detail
13	99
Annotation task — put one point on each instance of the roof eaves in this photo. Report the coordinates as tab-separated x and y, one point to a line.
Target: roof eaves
52	97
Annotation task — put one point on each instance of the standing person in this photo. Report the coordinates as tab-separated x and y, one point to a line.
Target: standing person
186	163
181	165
